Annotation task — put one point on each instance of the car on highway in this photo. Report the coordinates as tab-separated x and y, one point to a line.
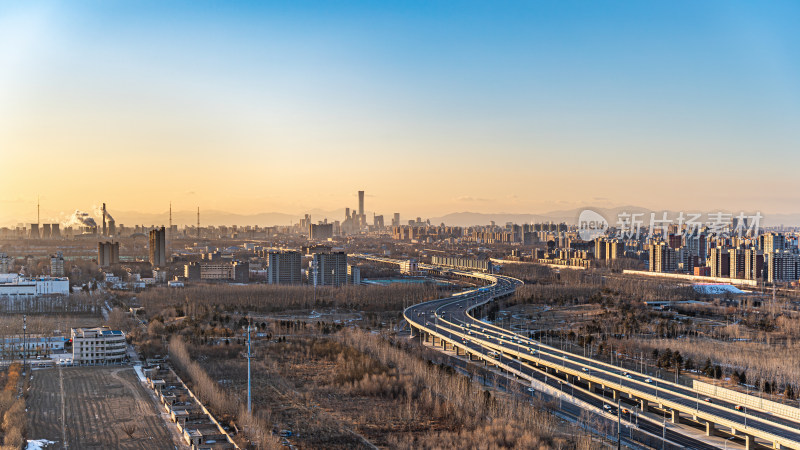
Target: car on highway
707	400
584	369
738	407
648	380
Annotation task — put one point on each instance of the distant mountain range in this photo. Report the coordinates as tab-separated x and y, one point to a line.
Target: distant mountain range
466	218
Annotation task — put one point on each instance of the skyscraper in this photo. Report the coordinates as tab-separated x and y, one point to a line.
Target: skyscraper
362	219
158	247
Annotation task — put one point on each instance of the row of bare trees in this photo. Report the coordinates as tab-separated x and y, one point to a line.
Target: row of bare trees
484	420
219	400
12	408
264	298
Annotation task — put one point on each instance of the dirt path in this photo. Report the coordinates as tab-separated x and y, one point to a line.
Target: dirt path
63	409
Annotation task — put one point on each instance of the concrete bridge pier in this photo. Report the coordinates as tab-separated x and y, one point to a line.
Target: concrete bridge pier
710	430
676	416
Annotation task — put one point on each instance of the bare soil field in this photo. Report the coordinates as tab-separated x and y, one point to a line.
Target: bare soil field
92	408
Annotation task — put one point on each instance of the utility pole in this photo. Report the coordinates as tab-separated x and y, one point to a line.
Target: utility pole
619	425
249	384
24	339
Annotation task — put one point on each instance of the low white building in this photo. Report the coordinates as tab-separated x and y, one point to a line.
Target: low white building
13	286
99	345
34	345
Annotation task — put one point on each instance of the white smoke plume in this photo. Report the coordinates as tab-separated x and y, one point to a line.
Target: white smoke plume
98	211
80	219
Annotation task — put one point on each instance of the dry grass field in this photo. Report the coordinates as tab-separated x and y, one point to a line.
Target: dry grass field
95	408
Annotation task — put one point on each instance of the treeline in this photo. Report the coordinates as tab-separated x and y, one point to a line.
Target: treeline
483	420
78	302
264	298
221	403
12	408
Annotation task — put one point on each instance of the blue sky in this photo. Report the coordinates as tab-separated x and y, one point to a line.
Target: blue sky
432	106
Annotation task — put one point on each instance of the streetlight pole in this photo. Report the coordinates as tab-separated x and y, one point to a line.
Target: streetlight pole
249	384
619	424
24	339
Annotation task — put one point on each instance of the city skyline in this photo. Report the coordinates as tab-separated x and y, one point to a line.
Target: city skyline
431	107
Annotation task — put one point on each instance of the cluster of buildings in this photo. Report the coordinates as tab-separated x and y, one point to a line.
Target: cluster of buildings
511	234
16	288
197	426
90	346
316	265
770	257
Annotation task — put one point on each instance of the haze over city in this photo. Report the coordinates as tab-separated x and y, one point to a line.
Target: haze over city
432	107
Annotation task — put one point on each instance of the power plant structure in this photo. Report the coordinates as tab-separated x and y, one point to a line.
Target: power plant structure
107	253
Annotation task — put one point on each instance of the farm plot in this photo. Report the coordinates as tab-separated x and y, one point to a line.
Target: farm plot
94	408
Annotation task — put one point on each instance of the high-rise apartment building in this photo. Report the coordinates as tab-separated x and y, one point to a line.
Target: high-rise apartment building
57	265
753	264
158	247
782	266
772	242
662	258
600	248
329	269
737	263
719	260
284	267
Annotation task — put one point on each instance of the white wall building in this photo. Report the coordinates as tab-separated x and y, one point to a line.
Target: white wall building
13	286
99	345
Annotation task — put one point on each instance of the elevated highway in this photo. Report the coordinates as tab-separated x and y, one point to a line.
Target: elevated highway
448	322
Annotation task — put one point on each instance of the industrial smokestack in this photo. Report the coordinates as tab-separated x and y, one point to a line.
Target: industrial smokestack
105	228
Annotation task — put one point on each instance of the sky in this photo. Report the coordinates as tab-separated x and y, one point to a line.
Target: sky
431	106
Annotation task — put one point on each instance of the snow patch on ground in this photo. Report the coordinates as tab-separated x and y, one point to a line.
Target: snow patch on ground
38	444
716	289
